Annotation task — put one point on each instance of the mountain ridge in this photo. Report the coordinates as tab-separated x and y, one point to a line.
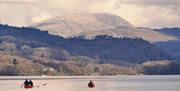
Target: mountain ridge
91	25
29	51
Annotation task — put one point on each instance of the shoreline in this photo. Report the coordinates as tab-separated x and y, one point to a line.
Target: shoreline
80	77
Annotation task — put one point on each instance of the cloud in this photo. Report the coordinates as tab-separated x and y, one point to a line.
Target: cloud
151	2
162	17
144	13
149	13
15	1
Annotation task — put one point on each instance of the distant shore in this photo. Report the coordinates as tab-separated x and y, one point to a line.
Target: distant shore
77	77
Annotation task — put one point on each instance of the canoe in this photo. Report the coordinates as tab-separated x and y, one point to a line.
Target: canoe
91	85
28	86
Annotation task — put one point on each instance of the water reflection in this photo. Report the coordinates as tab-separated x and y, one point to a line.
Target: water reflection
112	83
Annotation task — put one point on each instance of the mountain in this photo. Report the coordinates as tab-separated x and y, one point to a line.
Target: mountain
172	46
104	48
91	25
73	25
170	31
103	55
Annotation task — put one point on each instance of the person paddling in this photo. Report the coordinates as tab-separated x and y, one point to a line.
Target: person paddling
28	84
91	84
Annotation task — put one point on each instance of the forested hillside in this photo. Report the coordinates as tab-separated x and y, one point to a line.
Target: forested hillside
55	55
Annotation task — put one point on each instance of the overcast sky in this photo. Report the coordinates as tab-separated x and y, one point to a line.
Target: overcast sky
141	13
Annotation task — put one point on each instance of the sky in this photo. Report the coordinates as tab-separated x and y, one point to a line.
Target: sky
140	13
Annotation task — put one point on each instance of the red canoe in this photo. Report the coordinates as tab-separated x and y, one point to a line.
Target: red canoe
91	85
28	86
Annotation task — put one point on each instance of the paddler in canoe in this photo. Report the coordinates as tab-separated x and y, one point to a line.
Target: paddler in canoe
28	84
91	84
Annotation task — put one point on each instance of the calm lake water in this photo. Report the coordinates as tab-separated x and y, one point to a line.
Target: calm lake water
103	83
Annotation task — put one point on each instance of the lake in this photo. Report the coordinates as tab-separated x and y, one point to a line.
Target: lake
103	83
